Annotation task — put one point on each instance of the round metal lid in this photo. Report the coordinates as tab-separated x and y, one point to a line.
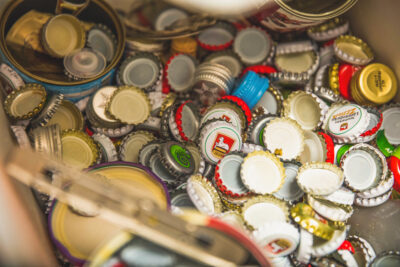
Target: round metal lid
391	117
180	72
84	63
177	158
101	38
252	45
68	116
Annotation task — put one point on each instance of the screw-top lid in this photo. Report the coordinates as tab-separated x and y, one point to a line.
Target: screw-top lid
48	140
251	88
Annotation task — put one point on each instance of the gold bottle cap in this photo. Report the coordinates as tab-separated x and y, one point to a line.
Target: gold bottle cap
63	34
186	45
68	116
78	149
169	100
25	102
377	84
352	50
306	217
129	105
334	78
133	143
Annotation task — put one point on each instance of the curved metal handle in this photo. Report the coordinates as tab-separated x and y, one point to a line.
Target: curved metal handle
76	8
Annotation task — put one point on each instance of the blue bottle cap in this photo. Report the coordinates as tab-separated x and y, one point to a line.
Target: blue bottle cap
251	88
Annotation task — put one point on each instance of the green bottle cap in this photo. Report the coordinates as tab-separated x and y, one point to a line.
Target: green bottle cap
384	146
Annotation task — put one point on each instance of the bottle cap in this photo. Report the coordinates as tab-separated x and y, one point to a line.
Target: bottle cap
137	44
9	79
63	34
187	119
168	101
371	167
309	178
329	29
375	123
271	101
255	130
375	84
48	140
227	175
114	133
172	126
262	173
165	121
347	258
327	55
21	136
25	102
391	115
346	72
289	79
342	196
233	218
185	45
305	108
277	238
52	104
68	116
290	191
225	111
284	137
226	58
180	72
107	147
323	248
161	171
387	258
381	188
217	37
129	105
132	143
247	116
252	45
303	254
218	138
234	204
142	70
260	210
297	62
330	210
78	149
176	159
84	63
314	148
251	88
383	144
339	151
329	147
352	50
199	163
168	17
374	201
249	147
147	151
102	39
306	217
348	122
203	195
361	246
333	74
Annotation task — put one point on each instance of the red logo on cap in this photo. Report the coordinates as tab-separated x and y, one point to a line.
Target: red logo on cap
344	126
222	145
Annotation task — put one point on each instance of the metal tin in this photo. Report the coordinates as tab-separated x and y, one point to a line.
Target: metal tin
68	116
72	90
84	63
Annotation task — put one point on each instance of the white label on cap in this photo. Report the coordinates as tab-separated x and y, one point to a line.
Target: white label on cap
344	119
224	114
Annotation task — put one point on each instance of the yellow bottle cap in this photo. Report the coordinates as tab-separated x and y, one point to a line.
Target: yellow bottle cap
352	50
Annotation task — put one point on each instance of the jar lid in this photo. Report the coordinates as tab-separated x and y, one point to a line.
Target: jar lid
180	72
323	248
251	88
226	58
68	116
314	148
290	191
96	108
142	70
217	138
352	50
9	79
78	149
260	210
346	123
176	159
376	83
284	137
217	37
277	238
133	143
227	175
255	130
168	17
391	115
129	105
329	29
187	119
309	178
102	39
262	173
203	195
52	104
25	102
107	147
305	108
330	210
252	45
271	101
387	258
84	63
147	151
63	34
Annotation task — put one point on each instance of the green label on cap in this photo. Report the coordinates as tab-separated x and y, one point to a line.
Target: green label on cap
341	151
180	155
383	144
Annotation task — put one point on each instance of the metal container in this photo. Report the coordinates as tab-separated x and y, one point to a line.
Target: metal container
29	65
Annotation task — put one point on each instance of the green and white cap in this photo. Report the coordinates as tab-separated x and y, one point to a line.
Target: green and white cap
177	159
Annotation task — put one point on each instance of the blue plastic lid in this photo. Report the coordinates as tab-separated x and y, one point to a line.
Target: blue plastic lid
251	88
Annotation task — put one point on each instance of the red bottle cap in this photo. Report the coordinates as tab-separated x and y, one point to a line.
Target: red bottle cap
346	72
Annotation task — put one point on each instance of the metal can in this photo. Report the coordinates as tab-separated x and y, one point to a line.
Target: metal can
73	90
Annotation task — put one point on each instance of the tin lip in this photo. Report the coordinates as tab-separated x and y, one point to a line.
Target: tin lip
316	17
120	33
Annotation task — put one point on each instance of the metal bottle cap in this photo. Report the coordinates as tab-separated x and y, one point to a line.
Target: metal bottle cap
25	102
9	79
187	119
101	38
63	34
314	148
256	128
48	140
177	159
52	104
147	151
217	37
271	101
84	63
387	259
68	116
300	62
391	115
168	17
352	50
290	190
226	58
186	45
329	29
133	143
107	148
180	72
